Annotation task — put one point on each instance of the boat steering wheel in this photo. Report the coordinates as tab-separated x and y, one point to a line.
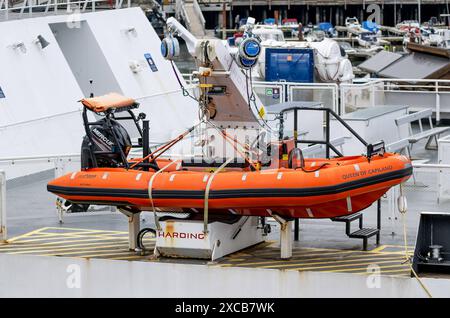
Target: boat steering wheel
296	153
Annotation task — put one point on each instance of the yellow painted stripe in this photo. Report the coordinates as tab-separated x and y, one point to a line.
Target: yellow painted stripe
307	261
83	234
135	257
331	268
57	245
84	230
276	250
74	236
378	249
334	262
397	272
399	246
73	239
100	254
357	269
25	235
298	254
78	249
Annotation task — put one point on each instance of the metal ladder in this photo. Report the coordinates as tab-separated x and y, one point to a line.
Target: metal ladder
361	233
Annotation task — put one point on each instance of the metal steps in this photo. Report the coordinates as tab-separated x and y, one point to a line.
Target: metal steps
361	233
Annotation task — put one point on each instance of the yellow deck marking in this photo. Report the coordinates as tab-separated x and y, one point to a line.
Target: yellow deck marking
86	243
307	250
373	259
378	249
406	271
325	258
100	252
81	239
63	249
102	255
76	234
330	268
42	236
137	257
262	262
57	246
276	252
358	269
83	230
26	235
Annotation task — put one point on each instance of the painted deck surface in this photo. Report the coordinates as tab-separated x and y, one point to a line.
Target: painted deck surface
102	244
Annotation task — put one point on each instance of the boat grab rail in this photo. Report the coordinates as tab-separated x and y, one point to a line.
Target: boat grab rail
372	149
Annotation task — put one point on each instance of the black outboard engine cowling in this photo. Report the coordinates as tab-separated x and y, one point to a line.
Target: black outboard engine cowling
104	152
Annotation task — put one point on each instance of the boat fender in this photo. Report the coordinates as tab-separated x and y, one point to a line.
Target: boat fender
402	204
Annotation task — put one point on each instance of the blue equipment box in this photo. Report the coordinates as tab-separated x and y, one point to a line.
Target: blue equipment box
291	65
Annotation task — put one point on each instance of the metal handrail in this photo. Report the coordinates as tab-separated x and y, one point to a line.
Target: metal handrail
40	157
28	5
326	142
3	232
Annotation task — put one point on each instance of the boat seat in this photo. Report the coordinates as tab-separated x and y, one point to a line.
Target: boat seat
431	134
100	104
425	134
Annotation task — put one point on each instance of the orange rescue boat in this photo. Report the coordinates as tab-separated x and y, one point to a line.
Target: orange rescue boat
300	188
344	186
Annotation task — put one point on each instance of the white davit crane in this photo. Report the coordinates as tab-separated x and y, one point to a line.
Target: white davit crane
224	79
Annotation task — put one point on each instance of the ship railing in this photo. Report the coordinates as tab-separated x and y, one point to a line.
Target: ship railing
423	176
21	166
70	7
3	233
271	93
419	94
429	178
325	93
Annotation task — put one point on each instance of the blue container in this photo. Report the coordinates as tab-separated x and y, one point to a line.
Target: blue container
269	21
291	65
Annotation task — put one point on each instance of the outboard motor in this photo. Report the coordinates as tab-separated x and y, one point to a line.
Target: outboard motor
111	144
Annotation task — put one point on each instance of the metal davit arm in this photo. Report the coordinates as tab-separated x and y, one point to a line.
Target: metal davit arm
181	31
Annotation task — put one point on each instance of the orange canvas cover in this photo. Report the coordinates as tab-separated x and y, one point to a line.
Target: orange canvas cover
102	103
